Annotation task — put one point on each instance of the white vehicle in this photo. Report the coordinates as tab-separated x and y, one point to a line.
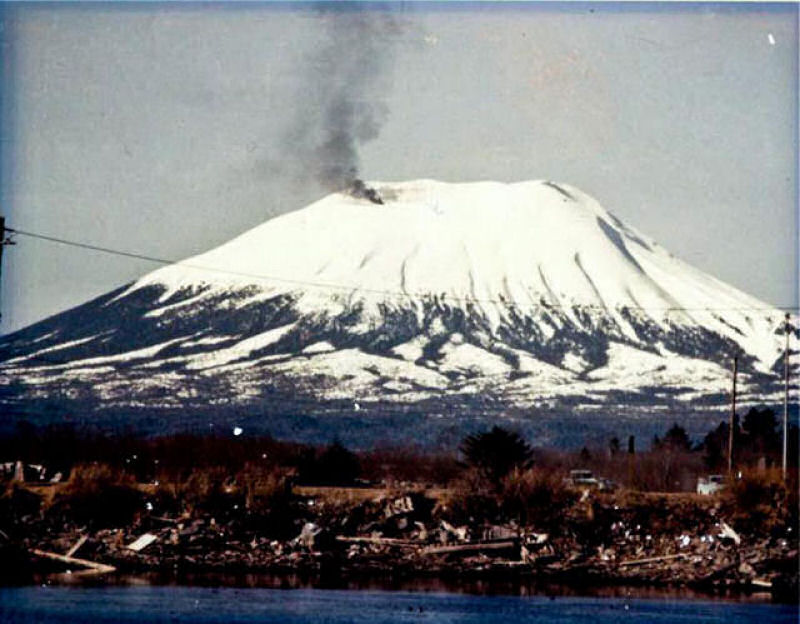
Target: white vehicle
582	478
586	479
710	485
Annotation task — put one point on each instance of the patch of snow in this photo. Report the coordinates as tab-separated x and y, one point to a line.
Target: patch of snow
412	350
459	356
239	350
573	362
206	340
358	369
126	356
57	347
323	346
629	368
188	302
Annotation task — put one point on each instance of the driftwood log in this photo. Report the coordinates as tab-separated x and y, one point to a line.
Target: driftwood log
469	548
381	541
635	562
94	567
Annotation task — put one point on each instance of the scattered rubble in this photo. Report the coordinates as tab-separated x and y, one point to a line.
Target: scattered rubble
603	538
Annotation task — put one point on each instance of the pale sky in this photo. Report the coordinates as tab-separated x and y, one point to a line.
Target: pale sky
165	130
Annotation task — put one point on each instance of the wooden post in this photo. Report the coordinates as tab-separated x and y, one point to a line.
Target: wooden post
733	417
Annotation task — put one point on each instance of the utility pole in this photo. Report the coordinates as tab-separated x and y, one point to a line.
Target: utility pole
3	243
2	240
631	460
733	417
787	326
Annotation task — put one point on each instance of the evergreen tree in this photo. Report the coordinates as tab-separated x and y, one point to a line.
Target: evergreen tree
495	453
760	429
676	439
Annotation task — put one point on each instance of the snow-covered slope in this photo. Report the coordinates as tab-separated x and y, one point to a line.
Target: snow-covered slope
521	295
492	246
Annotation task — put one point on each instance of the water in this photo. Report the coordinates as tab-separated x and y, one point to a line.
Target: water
232	605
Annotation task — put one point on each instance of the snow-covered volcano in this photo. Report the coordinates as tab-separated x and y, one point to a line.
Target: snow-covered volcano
483	299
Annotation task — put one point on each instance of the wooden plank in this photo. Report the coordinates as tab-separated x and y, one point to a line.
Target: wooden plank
468	548
76	547
634	562
100	568
142	542
383	541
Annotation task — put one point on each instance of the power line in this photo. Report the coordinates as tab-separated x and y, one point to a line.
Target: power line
459	396
392	293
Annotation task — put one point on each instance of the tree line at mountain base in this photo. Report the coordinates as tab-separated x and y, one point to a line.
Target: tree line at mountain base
671	463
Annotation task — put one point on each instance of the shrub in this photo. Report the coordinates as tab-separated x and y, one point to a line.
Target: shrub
204	489
760	502
98	496
535	497
665	469
268	501
264	488
334	466
17	503
471	498
408	465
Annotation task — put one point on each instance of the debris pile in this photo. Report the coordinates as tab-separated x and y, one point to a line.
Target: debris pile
602	538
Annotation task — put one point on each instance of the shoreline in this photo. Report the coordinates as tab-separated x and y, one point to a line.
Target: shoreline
420	582
676	542
331	569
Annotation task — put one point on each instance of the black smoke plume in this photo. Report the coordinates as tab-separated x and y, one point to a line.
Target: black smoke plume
341	103
359	189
